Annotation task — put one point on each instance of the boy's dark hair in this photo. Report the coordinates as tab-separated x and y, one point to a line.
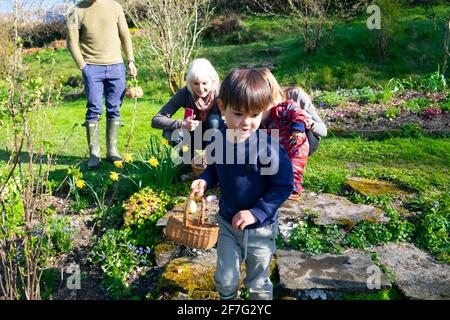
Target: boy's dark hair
245	90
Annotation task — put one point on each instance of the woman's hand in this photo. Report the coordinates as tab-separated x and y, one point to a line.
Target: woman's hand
190	124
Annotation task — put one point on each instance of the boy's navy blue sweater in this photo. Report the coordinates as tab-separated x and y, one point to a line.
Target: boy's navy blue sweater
243	186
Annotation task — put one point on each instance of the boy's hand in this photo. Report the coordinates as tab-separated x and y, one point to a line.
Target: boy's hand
198	187
242	219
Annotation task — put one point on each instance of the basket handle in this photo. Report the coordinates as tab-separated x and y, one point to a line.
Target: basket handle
202	210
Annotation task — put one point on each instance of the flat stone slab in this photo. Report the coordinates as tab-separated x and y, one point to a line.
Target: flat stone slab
418	275
327	208
371	187
347	273
188	274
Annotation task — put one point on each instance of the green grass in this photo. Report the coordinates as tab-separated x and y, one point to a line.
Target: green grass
417	163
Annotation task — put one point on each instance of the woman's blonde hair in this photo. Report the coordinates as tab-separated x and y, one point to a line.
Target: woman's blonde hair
277	93
200	68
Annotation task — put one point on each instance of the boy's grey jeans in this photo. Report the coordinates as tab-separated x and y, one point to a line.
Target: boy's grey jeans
257	248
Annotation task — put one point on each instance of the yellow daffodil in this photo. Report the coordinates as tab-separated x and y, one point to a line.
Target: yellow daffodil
118	164
185	148
80	183
153	162
165	142
114	176
127	157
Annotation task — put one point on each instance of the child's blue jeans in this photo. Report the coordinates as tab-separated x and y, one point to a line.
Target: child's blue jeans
107	80
257	247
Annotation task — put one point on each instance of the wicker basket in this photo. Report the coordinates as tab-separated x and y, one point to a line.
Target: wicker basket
198	165
194	233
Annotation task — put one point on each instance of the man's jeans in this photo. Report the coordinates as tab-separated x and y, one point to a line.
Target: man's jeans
106	80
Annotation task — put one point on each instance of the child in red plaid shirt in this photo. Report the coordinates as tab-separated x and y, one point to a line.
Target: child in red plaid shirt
291	121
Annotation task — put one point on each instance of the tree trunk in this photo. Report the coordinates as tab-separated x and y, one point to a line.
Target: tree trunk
446	41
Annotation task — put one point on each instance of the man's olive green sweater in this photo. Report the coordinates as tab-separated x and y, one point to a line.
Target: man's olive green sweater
96	31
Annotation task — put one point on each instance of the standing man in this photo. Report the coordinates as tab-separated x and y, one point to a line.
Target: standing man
97	30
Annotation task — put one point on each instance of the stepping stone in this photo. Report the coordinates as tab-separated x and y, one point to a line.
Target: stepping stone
164	252
418	275
326	208
190	274
370	187
323	276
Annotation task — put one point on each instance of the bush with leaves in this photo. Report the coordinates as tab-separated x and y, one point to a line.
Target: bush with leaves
142	211
313	239
162	162
118	255
433	226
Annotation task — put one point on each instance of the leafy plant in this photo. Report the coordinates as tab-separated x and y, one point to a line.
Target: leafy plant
368	234
161	162
145	205
142	211
412	130
433	227
316	239
416	105
118	256
434	82
392	113
330	99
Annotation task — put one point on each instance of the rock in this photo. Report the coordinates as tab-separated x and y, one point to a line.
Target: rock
369	187
326	276
193	275
164	252
326	209
418	275
187	275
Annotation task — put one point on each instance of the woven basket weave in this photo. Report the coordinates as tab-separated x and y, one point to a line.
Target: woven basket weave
194	233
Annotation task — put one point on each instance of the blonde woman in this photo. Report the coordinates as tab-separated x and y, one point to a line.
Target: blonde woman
199	95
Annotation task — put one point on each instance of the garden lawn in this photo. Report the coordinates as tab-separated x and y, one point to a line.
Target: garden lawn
417	163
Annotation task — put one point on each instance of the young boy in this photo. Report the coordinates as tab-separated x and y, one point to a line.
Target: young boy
250	194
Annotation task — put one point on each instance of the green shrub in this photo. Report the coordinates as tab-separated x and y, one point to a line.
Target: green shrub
160	167
42	34
368	234
392	113
433	227
117	254
330	99
142	211
434	82
316	239
412	130
416	105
